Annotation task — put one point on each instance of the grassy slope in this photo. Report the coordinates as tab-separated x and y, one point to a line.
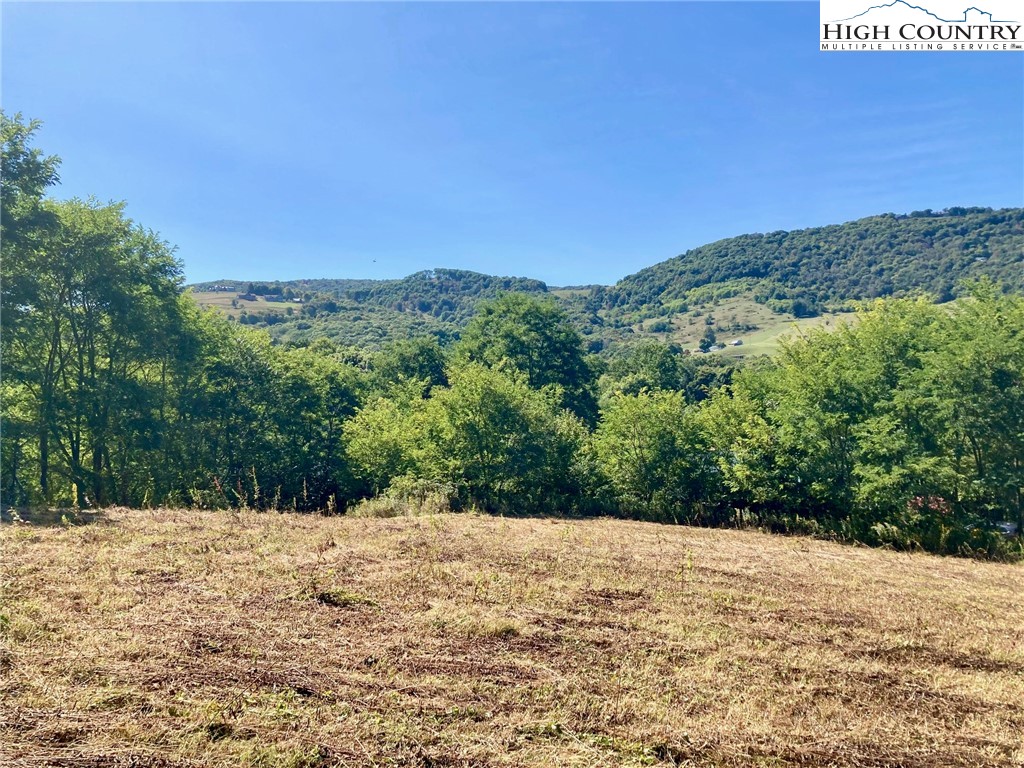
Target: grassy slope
221	301
765	340
728	314
195	638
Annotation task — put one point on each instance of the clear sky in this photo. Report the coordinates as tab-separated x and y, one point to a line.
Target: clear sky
575	143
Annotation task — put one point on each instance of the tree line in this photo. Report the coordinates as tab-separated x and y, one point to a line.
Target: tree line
905	429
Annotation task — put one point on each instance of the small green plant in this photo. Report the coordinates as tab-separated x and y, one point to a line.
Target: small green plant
342	598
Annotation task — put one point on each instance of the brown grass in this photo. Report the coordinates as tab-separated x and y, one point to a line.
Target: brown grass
180	638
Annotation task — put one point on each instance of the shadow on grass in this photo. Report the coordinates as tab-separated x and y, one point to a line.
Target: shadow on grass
44	517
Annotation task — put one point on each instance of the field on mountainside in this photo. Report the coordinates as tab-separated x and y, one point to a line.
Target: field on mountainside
228	303
741	318
766	340
173	638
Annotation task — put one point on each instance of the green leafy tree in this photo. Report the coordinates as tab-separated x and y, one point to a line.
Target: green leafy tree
973	403
500	438
261	425
708	340
653	453
759	475
385	439
650	365
25	224
533	336
419	359
26	173
903	429
314	396
97	313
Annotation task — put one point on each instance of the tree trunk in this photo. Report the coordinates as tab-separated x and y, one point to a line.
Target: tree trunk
44	459
98	495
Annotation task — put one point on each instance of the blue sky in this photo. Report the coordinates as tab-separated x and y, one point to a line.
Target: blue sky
575	143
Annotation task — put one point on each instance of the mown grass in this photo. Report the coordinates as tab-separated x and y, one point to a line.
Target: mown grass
167	638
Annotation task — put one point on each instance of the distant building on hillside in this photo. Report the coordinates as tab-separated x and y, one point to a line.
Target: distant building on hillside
735	342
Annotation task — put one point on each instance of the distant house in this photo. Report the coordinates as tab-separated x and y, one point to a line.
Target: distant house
247	296
735	342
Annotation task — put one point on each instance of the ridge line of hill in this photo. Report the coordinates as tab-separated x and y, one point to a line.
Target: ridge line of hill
796	274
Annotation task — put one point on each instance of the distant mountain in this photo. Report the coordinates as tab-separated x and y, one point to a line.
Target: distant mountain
364	313
826	267
794	274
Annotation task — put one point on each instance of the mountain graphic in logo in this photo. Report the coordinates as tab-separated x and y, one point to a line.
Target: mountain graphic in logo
972	14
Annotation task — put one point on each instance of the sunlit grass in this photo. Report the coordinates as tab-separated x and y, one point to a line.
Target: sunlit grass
196	638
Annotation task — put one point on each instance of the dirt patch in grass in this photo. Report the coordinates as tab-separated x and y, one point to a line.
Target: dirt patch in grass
180	638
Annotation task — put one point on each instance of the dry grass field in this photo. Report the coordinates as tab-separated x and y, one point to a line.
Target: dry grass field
182	638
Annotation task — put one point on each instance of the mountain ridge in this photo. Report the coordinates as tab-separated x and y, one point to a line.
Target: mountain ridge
797	273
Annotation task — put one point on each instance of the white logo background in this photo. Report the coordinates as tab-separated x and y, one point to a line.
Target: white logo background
924	14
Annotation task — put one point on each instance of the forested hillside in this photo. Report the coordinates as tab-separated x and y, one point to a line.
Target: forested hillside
369	313
926	252
792	275
447	294
362	313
